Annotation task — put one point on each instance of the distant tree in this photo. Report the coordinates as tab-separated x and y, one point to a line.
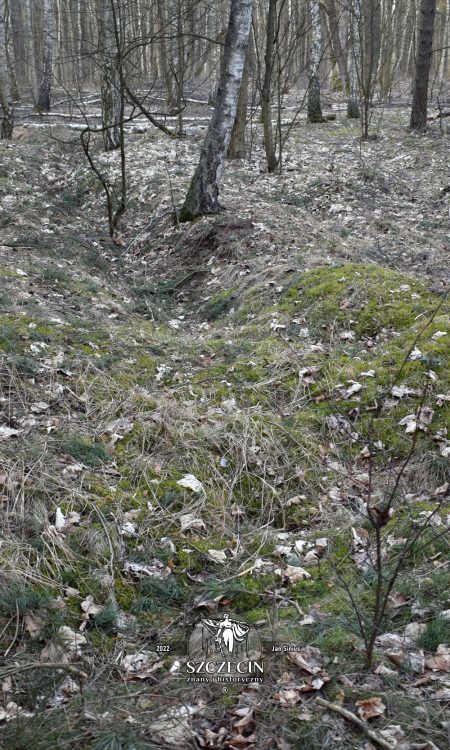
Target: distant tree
266	93
353	111
110	81
45	73
315	53
368	13
338	52
203	194
6	88
423	62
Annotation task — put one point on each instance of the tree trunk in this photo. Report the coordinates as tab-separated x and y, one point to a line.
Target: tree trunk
236	148
45	80
314	104
6	89
354	64
202	196
423	63
330	6
19	33
266	93
110	83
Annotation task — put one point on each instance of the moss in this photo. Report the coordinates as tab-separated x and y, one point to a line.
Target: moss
219	304
367	298
125	593
335	640
88	452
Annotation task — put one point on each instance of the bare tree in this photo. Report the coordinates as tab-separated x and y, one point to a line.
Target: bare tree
45	78
202	196
423	63
6	89
266	93
315	53
354	62
110	83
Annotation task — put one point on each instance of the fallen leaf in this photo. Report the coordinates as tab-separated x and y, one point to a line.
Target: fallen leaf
218	555
60	519
64	646
140	665
309	659
440	661
190	482
7	432
438	334
90	609
174	727
189	521
34	624
370	707
355	388
419	421
13	711
157	569
400	391
293	573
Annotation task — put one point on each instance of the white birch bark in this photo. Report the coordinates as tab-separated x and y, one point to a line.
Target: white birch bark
314	103
353	111
110	84
6	89
45	78
202	196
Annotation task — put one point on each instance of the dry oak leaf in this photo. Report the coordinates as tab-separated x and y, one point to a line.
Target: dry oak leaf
440	661
90	609
309	659
64	646
370	707
189	521
288	696
140	665
33	624
293	573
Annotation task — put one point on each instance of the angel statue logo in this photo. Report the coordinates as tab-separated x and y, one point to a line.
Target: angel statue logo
225	650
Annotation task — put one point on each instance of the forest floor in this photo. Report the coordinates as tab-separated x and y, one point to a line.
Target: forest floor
194	420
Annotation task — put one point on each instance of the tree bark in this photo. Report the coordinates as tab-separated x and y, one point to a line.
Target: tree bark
353	111
45	82
330	7
266	93
423	62
314	103
236	149
6	89
202	196
110	83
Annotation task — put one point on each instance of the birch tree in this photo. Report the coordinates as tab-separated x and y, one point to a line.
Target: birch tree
45	78
6	88
423	63
354	62
203	193
314	102
236	149
110	83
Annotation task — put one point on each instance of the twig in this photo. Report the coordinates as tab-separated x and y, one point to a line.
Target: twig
17	668
359	723
16	631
